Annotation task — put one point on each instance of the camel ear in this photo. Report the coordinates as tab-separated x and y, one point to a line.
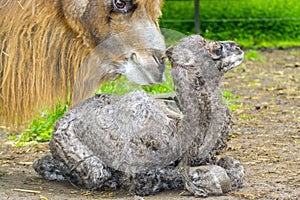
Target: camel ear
74	8
74	11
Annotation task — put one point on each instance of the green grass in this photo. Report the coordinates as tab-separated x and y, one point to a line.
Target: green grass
232	101
41	128
254	56
122	86
246	117
251	23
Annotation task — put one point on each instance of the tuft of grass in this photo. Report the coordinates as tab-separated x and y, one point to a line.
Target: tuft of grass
247	117
254	56
122	86
41	127
232	101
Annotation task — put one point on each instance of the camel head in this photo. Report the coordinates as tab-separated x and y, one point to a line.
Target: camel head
126	30
53	49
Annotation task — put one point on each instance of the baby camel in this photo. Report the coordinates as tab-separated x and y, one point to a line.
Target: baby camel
136	142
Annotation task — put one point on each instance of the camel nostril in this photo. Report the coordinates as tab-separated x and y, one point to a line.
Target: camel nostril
160	60
159	56
134	58
156	59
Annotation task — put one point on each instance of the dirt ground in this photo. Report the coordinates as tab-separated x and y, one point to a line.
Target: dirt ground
265	138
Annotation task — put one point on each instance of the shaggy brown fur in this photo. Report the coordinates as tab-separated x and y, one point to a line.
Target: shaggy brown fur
43	43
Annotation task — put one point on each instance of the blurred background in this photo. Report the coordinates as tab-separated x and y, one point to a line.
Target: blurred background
251	23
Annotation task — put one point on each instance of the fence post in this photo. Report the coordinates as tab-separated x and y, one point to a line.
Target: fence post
197	17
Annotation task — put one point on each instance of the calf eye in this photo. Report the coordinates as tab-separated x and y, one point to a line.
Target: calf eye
218	51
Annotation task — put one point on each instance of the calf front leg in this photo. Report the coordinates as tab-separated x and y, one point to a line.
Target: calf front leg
83	168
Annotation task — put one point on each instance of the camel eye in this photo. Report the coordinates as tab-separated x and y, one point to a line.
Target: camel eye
123	6
120	4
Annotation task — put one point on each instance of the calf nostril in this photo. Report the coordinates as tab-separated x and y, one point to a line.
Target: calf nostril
237	48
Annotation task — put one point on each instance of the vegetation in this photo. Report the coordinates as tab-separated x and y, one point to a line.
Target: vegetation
232	101
122	86
254	56
41	127
251	23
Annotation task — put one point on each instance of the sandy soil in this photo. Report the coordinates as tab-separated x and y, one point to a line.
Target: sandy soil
265	138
